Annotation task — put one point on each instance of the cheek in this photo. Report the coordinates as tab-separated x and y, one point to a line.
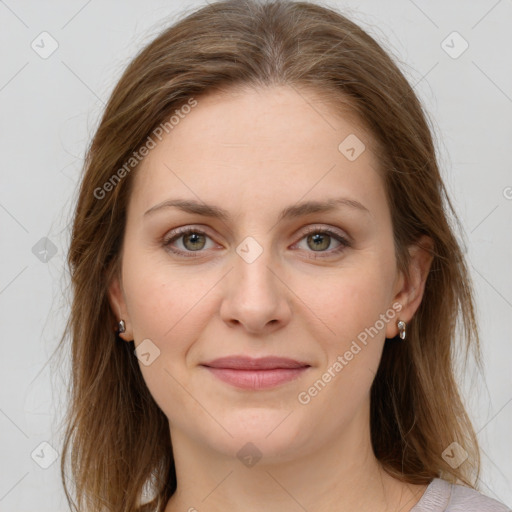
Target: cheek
353	310
161	299
161	308
350	299
357	300
155	307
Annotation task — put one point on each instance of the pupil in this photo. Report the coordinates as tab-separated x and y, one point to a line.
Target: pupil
193	238
318	239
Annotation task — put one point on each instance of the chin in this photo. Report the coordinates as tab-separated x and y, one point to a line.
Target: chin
272	434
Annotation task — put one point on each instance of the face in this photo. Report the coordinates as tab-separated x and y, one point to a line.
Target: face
268	278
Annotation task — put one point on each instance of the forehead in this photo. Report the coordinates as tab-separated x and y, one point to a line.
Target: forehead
248	144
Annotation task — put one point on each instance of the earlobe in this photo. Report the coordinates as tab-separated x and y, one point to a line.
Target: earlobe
118	305
412	288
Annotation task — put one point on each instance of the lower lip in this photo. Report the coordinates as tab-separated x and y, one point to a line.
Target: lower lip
257	379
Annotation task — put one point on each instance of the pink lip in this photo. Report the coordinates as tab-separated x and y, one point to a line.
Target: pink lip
248	373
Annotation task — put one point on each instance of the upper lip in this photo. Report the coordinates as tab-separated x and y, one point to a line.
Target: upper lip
248	363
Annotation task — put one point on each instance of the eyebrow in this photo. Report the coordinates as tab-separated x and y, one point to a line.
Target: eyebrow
291	212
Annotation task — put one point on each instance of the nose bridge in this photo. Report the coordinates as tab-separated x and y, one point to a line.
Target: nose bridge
255	296
252	270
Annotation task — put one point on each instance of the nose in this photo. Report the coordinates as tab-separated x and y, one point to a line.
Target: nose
256	296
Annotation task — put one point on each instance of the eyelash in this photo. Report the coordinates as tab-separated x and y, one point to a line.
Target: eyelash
180	232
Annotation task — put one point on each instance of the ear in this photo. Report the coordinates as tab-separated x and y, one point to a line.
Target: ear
118	304
409	290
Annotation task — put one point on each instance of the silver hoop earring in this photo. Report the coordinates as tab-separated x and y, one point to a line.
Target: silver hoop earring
121	327
402	326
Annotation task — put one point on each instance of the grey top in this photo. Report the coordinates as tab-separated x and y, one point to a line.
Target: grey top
442	496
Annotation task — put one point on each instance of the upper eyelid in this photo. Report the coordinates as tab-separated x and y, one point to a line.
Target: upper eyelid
320	228
178	232
183	230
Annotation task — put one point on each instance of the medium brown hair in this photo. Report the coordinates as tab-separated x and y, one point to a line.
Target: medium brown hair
116	435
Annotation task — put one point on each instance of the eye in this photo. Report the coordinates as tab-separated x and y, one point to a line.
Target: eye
319	239
193	240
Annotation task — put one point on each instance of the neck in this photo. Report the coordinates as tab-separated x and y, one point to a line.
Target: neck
340	474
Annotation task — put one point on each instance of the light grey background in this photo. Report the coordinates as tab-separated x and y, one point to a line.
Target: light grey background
50	108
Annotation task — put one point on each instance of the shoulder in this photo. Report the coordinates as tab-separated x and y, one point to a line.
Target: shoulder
468	500
442	496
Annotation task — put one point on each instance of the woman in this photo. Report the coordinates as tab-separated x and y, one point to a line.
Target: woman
266	285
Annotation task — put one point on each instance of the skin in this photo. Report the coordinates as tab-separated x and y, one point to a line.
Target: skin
254	153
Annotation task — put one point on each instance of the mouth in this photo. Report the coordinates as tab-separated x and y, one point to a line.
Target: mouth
262	373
